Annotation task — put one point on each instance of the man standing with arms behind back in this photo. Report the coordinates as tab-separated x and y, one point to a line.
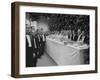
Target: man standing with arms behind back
31	58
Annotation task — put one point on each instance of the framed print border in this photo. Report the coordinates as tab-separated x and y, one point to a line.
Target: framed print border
15	39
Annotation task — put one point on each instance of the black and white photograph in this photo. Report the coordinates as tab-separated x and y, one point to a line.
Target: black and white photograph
56	39
51	39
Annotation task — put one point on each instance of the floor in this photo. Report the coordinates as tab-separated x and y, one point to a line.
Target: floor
45	60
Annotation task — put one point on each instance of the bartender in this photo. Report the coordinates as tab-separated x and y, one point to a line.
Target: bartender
81	37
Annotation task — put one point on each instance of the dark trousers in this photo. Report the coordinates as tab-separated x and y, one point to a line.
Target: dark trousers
30	60
41	49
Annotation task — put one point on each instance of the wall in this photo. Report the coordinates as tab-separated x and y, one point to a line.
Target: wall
38	21
43	24
5	40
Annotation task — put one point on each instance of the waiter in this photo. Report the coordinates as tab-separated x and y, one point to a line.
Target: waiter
31	49
38	41
42	40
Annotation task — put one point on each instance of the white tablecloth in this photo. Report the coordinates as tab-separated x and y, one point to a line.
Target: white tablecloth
65	54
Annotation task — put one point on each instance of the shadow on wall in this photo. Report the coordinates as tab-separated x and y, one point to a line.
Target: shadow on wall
43	26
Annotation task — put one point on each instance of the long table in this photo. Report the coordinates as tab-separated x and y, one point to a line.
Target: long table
65	54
